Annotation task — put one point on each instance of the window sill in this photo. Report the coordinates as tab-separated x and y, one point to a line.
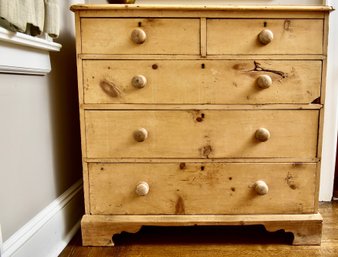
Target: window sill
24	54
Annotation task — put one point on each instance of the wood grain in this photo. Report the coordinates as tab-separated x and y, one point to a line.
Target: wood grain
203	35
217	241
81	111
113	36
261	8
200	103
97	228
175	107
201	134
224	11
291	36
199	57
218	160
187	188
205	81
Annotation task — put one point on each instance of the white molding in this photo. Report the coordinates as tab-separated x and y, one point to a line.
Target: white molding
19	59
24	54
23	70
50	230
26	40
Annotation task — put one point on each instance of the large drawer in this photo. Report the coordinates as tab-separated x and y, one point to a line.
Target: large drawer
240	36
201	188
162	36
201	133
198	82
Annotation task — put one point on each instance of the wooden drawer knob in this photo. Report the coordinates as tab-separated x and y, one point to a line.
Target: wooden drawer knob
142	188
264	81
261	187
138	36
262	134
110	88
265	36
140	135
139	81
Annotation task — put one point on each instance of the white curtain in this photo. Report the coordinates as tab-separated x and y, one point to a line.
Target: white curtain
30	16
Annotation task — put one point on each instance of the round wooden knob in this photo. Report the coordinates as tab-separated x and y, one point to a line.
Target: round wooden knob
139	81
138	36
264	81
140	135
261	187
262	134
265	36
142	188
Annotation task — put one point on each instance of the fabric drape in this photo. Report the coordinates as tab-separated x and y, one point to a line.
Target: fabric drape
30	16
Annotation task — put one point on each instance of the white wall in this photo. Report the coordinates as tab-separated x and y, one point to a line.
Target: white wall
331	111
39	134
27	168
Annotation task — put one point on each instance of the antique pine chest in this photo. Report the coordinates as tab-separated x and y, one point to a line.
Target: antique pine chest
201	115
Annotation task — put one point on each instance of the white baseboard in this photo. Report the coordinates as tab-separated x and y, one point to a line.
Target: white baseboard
49	231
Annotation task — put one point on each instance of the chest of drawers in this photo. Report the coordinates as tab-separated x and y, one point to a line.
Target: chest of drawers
201	115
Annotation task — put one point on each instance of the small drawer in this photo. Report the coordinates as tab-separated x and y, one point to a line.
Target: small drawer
201	82
202	134
140	36
202	188
253	36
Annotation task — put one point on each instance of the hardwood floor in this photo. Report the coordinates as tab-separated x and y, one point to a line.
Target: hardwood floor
213	241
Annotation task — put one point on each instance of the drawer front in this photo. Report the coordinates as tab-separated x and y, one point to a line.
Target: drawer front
162	36
201	188
240	36
198	82
201	134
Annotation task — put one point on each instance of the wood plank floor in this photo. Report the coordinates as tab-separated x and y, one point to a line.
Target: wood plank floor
213	241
